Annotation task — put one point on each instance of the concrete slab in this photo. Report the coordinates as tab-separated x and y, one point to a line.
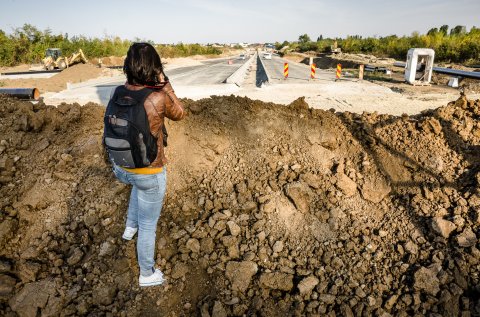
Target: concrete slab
101	94
25	76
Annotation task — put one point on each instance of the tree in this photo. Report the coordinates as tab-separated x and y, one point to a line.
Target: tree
31	32
432	31
304	38
320	38
279	45
474	30
458	30
444	29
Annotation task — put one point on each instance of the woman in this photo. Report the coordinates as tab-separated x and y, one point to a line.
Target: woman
144	72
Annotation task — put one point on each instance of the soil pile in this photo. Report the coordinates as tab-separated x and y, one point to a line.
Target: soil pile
109	60
270	211
468	85
74	74
328	60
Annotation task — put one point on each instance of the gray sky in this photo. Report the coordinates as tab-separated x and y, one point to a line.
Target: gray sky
224	21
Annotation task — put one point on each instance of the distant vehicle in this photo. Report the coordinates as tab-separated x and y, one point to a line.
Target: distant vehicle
267	56
334	48
242	56
54	59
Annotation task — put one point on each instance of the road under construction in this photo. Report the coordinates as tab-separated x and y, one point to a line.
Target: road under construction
260	78
287	196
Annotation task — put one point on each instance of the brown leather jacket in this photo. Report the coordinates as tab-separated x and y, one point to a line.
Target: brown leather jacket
159	105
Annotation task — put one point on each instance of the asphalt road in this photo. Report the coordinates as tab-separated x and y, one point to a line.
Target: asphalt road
209	73
297	72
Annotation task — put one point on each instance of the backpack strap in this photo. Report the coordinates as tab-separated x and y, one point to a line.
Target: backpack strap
122	94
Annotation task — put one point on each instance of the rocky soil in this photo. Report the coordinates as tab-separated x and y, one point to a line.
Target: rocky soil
270	211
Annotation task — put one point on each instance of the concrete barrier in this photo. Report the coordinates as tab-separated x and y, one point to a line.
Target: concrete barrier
262	69
238	76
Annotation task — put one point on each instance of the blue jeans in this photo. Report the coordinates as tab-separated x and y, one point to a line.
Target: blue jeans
144	209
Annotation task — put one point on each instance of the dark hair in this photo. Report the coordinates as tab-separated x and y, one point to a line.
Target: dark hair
142	65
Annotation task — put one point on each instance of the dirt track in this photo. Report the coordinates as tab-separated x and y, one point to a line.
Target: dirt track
270	211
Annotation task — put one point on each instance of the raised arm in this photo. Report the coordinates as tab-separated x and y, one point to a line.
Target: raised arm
174	109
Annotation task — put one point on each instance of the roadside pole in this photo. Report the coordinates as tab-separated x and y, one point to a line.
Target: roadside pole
339	72
285	71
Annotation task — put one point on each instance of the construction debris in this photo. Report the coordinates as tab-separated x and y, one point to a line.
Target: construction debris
270	211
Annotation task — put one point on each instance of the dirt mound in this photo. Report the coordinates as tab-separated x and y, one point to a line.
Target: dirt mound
364	59
469	86
270	211
327	61
74	74
109	60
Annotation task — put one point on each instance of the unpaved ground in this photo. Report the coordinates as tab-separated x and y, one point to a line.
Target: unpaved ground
270	211
326	61
396	80
74	74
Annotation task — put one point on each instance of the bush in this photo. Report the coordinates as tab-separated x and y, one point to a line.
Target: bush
27	44
459	46
183	50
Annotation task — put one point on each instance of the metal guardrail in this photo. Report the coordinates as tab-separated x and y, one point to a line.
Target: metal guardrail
448	71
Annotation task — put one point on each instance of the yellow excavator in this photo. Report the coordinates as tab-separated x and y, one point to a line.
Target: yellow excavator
334	48
54	59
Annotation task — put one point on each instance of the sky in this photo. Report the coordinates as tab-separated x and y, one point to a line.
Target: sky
233	21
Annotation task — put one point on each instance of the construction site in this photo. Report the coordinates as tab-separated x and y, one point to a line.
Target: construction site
299	185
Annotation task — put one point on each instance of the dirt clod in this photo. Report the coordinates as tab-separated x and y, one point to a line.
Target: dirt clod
270	211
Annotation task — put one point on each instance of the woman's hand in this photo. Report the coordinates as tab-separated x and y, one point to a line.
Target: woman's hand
162	78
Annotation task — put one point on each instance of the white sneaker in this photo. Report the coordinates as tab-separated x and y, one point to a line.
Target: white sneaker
155	279
129	233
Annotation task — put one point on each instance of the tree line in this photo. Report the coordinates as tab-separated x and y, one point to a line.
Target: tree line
450	45
27	44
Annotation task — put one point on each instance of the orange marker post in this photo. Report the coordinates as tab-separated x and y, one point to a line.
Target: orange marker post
339	71
312	71
285	70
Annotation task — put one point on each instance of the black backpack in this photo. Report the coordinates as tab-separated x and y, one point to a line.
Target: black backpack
126	135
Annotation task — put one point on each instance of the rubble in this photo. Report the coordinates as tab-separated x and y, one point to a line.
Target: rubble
270	211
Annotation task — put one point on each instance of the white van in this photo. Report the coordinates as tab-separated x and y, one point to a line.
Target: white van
267	56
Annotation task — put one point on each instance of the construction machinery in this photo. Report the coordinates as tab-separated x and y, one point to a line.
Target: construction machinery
334	48
54	59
